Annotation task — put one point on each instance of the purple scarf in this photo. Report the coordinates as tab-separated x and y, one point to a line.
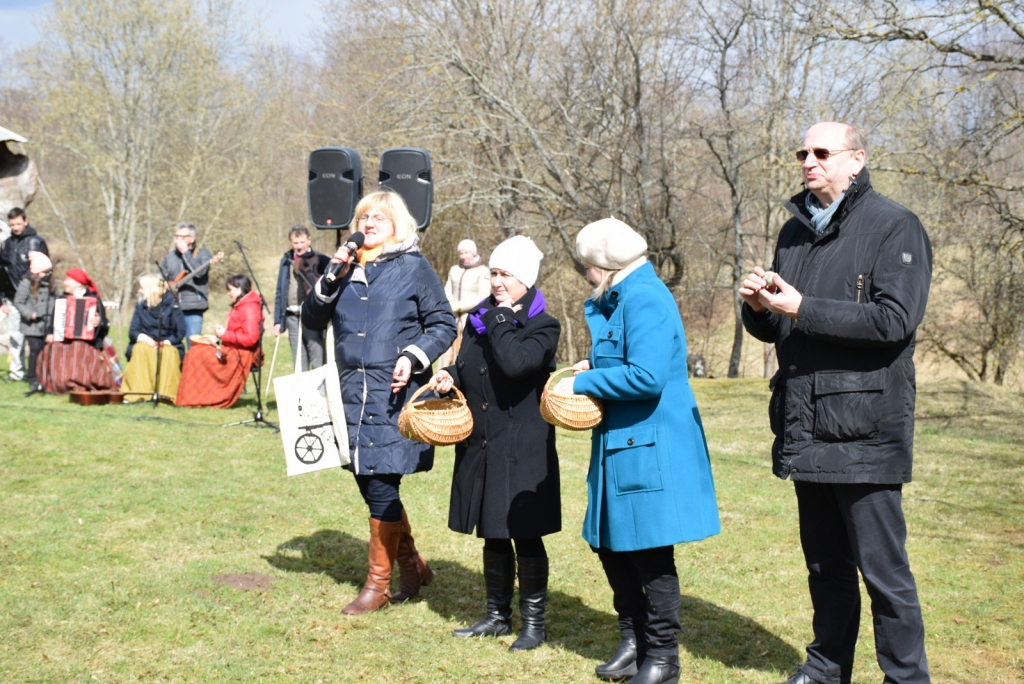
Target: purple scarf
536	306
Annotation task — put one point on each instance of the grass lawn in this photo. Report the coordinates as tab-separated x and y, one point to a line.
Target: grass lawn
118	525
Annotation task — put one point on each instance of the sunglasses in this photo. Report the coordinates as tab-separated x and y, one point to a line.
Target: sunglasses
820	153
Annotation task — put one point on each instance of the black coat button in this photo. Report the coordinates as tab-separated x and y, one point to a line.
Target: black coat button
609	334
615	295
792	369
629	441
789	440
483	407
483	370
460	365
483	444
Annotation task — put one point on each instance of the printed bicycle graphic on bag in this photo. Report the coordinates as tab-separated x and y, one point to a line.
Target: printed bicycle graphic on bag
309	447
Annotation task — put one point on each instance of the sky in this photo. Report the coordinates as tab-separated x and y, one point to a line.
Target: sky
286	21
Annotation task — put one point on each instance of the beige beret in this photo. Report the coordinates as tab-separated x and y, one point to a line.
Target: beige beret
609	244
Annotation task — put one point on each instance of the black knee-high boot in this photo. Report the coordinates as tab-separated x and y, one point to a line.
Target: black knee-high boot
631	606
533	598
661	664
499	578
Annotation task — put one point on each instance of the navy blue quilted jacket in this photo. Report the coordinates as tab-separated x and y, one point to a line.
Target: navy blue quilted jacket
395	305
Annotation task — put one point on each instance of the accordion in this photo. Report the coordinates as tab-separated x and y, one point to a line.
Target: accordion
71	318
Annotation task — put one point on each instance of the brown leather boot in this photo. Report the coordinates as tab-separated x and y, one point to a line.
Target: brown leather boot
384	539
413	567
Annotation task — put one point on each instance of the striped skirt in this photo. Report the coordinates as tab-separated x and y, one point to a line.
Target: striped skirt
73	365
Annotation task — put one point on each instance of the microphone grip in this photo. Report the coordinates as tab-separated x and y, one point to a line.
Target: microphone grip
335	270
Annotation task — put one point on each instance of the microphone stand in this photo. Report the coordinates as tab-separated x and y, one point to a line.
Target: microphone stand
160	332
257	419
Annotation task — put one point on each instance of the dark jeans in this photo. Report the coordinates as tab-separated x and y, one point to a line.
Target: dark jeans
645	589
35	345
844	527
380	492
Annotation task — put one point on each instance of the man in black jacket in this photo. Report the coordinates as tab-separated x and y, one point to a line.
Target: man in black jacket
298	271
846	292
14	258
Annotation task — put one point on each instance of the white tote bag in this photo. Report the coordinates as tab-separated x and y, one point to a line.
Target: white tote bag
313	427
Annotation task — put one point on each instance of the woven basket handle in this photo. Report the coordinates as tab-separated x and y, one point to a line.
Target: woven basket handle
430	386
547	385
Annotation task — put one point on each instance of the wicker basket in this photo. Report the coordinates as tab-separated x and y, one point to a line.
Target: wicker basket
436	421
569	411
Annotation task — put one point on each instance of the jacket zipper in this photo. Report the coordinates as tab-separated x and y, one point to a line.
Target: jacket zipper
860	287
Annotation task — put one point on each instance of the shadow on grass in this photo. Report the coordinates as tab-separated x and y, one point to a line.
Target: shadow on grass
457	595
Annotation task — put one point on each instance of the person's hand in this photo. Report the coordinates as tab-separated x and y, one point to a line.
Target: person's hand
219	330
784	300
49	338
94	319
443	382
507	303
564	386
403	371
5	308
277	330
342	256
166	343
580	366
751	286
146	339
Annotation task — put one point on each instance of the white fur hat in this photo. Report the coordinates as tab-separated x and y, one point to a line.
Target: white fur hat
609	244
467	246
518	256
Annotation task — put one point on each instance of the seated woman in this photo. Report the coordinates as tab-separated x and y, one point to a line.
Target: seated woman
77	361
156	318
215	375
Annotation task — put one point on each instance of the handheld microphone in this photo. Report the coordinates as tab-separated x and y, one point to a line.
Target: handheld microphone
354	242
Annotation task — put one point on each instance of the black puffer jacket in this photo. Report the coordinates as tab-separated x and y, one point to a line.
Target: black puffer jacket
393	306
505	482
842	406
14	253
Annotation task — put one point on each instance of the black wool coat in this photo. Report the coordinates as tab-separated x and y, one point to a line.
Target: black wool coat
505	481
842	406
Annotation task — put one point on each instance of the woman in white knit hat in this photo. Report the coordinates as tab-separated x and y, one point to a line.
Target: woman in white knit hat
469	282
649	486
505	483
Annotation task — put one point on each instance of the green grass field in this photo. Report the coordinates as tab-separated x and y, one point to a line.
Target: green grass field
119	524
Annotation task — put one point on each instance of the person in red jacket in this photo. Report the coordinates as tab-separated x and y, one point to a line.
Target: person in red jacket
214	375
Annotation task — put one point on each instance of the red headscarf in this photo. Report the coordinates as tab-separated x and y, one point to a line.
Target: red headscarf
80	276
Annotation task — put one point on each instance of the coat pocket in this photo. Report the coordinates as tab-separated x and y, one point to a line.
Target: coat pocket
846	405
776	419
633	460
609	342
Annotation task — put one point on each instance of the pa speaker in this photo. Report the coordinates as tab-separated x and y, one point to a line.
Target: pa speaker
406	170
335	186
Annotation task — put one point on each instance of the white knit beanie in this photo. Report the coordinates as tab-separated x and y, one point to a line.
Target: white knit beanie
467	246
518	256
609	244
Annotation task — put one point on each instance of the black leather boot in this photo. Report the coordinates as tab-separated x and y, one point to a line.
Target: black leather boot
658	669
533	598
499	578
623	663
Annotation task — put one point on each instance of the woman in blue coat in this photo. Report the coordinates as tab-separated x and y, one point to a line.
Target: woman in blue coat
391	320
650	484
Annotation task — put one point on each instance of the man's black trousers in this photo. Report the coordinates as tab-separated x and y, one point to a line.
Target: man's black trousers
844	527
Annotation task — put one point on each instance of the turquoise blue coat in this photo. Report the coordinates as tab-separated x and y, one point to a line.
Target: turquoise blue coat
650	481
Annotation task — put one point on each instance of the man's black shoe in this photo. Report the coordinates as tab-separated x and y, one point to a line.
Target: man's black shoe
658	670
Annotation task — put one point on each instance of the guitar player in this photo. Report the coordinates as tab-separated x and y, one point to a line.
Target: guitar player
184	259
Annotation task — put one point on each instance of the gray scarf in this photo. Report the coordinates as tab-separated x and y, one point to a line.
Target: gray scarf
821	216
